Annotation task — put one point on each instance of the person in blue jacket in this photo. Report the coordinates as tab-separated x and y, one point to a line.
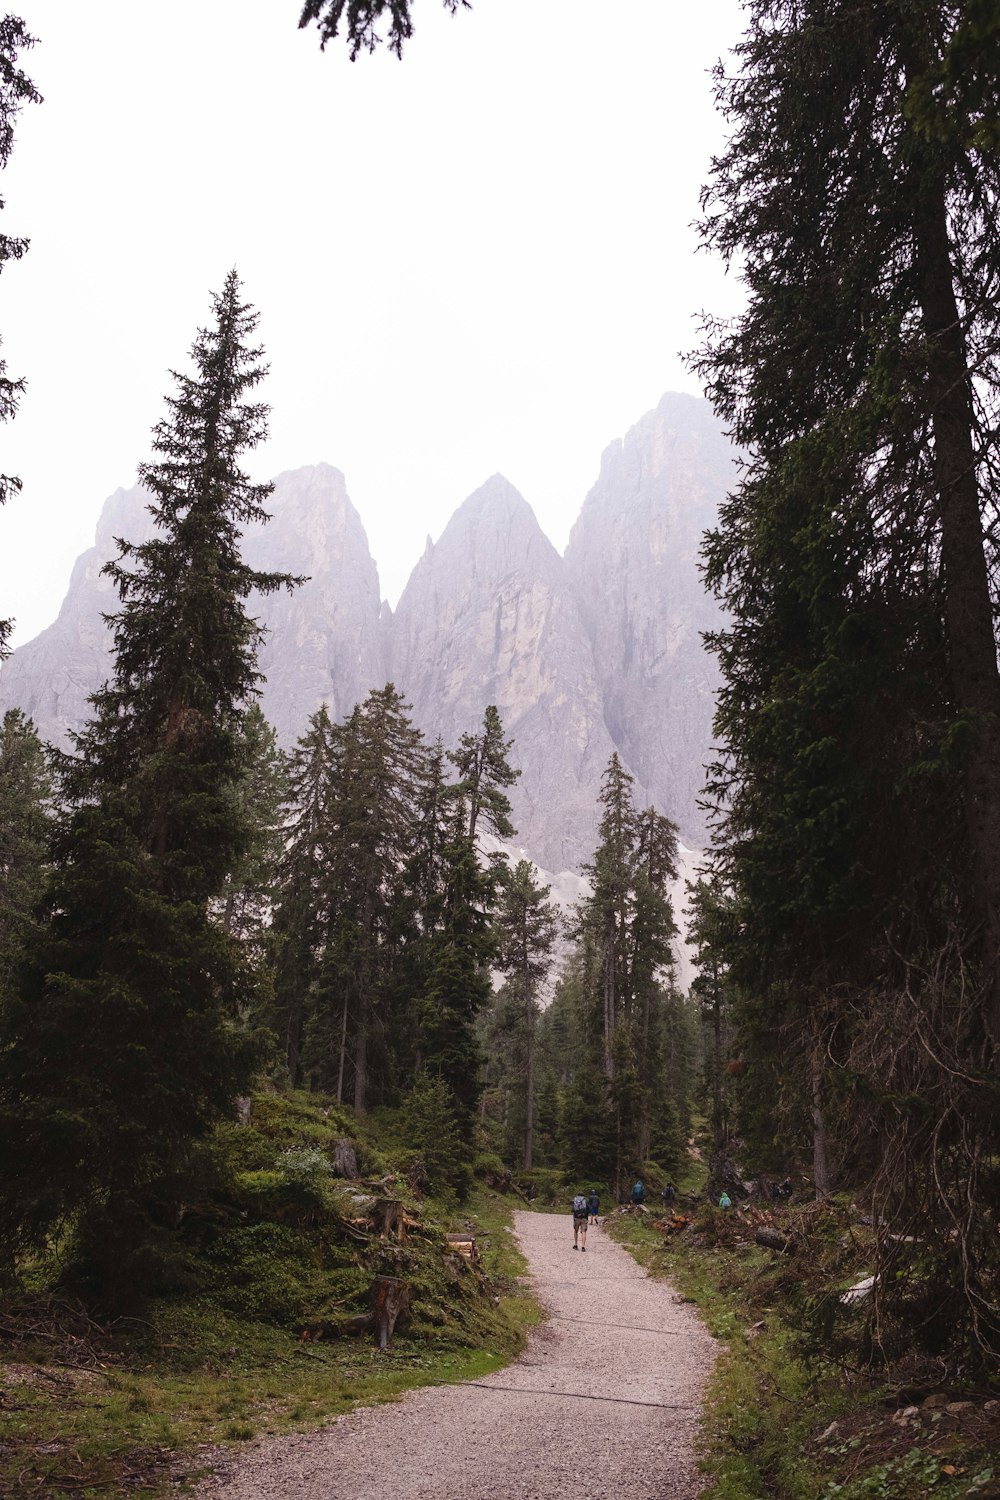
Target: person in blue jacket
593	1205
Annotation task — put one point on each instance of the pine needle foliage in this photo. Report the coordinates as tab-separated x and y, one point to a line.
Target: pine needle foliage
16	89
122	1045
360	21
858	793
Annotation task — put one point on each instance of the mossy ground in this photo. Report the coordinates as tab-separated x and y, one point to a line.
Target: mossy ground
243	1334
792	1414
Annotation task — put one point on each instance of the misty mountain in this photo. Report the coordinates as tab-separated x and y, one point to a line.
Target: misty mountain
488	616
582	655
632	560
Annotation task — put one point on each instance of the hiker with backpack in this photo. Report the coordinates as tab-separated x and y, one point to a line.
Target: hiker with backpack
580	1222
638	1193
669	1196
593	1205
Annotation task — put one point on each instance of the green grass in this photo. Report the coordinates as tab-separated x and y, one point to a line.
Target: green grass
787	1418
241	1336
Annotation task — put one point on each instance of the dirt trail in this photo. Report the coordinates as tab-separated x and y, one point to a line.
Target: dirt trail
605	1397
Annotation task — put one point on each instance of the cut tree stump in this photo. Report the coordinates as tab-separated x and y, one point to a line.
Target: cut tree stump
390	1217
345	1161
390	1298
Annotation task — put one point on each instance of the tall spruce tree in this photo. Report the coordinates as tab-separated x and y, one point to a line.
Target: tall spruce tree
859	794
374	811
26	787
484	771
16	89
121	1046
625	930
300	922
527	926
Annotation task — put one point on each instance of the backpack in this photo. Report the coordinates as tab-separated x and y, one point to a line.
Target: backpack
638	1192
580	1204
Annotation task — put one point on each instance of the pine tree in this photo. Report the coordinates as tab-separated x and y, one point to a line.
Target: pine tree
859	793
300	918
378	774
625	928
484	770
245	906
25	817
16	89
121	1047
527	926
456	954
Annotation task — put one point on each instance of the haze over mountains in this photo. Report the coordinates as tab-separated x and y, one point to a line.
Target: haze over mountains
583	654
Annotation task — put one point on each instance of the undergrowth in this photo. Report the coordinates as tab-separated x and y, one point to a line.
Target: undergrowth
794	1411
252	1323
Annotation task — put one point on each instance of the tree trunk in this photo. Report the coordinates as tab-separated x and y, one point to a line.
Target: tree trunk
972	649
361	1059
719	1131
822	1175
529	1114
343	1053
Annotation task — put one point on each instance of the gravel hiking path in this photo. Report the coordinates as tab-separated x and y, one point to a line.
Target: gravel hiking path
605	1398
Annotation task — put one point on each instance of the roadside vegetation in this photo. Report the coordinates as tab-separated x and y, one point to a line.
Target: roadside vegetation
795	1411
256	1319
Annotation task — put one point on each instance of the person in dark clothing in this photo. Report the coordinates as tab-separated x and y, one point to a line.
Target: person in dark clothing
669	1196
580	1222
593	1205
638	1192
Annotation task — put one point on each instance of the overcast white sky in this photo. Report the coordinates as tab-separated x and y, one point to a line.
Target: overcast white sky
477	259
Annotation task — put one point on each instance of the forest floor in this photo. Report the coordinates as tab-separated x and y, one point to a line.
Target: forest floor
607	1396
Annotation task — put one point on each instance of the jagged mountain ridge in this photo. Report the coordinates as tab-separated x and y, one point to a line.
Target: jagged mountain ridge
584	654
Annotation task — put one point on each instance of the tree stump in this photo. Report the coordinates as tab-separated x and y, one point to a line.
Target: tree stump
390	1298
345	1161
390	1217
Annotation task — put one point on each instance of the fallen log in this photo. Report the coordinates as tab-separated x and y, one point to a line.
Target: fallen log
774	1239
464	1244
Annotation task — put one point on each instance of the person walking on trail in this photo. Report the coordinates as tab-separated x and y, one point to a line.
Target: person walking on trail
669	1196
580	1222
593	1205
638	1192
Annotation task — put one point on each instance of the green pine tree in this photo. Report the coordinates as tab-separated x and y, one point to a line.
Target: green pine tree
26	788
484	770
527	926
121	1047
16	89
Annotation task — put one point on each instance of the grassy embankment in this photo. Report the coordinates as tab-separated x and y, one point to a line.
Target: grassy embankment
792	1414
246	1329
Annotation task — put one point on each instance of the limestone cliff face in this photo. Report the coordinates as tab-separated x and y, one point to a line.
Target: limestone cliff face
632	559
52	676
488	617
323	643
583	655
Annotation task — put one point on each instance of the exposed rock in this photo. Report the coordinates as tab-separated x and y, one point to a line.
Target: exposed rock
633	561
324	641
597	652
488	617
52	676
